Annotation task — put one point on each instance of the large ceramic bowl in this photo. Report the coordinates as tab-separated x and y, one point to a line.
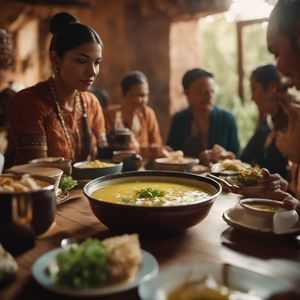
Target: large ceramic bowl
152	219
38	206
54	162
81	170
185	165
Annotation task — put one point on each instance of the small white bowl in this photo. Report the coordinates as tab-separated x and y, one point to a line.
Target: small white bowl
33	169
261	207
54	162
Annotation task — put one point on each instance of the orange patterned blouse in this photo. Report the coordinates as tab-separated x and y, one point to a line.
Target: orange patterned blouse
35	124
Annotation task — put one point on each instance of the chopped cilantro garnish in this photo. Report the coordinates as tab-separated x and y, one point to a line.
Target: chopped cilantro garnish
149	193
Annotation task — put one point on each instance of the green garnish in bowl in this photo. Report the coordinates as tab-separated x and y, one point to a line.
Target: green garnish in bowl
149	193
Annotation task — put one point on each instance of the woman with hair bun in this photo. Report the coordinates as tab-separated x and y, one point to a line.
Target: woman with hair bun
59	117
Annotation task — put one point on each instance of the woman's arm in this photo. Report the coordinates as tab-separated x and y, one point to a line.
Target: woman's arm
26	115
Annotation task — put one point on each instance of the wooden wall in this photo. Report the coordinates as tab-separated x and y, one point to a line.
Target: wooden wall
159	37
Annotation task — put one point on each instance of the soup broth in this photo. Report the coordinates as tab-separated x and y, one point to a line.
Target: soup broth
264	207
148	193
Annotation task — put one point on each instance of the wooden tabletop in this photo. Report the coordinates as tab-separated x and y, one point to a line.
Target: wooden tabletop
211	241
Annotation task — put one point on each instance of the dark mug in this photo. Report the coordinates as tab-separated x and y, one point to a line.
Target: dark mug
23	215
119	139
131	160
16	232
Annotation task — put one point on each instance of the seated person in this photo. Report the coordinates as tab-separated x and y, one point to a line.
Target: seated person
203	125
58	117
261	149
135	115
283	39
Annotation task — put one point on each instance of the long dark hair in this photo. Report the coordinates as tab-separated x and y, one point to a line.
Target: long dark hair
133	78
286	14
194	74
68	33
266	74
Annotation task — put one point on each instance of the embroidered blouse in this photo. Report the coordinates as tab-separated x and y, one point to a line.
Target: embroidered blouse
35	124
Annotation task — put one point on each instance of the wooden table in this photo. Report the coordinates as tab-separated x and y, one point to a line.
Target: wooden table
211	241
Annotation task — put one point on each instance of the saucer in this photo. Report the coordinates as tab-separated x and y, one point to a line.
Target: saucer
238	218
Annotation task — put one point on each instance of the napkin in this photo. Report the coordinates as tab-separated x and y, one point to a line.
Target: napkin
284	221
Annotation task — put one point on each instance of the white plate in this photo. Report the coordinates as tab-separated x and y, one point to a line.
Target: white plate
62	197
239	218
148	269
238	279
218	168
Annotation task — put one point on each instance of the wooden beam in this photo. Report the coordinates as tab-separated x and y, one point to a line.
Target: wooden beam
240	51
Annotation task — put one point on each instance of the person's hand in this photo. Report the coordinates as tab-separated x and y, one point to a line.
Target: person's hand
272	186
215	154
274	181
290	202
157	150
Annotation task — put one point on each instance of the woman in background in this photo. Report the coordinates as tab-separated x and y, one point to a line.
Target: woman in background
135	115
203	129
261	149
58	117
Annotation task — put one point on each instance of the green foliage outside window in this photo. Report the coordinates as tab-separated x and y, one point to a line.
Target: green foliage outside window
220	56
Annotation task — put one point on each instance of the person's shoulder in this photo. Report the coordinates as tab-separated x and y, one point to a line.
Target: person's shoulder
149	110
89	97
224	112
28	95
113	108
182	113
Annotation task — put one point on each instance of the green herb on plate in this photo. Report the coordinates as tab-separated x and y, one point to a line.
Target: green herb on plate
80	266
67	183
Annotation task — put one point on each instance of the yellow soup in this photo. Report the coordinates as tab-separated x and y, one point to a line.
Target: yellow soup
264	207
95	164
151	193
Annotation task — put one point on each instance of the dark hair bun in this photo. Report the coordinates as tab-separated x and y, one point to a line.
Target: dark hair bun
60	20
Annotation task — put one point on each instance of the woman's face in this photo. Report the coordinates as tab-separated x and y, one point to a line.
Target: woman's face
263	96
137	95
201	93
287	58
79	67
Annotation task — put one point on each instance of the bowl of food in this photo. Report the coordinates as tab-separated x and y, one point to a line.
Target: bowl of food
211	281
91	169
176	161
26	201
54	173
54	162
262	207
151	201
229	167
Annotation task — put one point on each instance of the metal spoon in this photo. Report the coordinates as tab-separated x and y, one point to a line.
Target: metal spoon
67	242
220	180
